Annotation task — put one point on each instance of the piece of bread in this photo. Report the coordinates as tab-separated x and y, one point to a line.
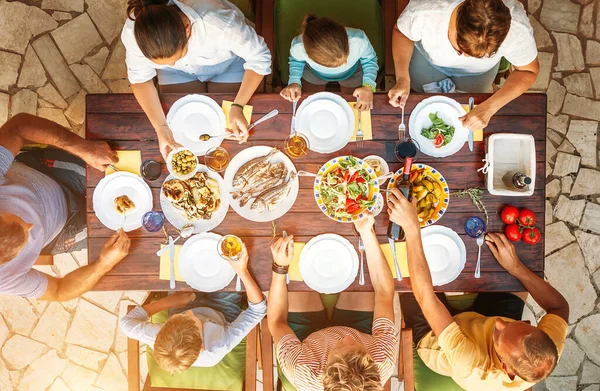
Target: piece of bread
173	190
124	205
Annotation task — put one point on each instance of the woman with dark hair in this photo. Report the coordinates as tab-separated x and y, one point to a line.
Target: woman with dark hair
464	40
193	46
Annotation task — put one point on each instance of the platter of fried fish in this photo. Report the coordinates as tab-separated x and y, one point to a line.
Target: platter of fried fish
262	183
199	200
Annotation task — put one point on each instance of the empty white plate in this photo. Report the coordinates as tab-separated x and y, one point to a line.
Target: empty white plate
201	265
448	110
192	116
327	121
445	252
328	263
115	185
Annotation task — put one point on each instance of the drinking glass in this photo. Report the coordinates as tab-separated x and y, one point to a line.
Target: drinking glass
474	227
151	170
296	145
230	247
153	221
405	148
217	159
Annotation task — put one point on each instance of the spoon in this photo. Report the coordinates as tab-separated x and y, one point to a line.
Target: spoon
480	240
185	232
269	115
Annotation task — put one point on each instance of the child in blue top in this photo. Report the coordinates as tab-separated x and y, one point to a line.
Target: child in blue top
327	51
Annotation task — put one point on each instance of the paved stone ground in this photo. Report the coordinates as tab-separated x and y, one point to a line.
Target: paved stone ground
54	52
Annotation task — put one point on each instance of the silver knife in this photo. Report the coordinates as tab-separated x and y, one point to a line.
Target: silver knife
392	243
471	104
287	275
293	125
172	256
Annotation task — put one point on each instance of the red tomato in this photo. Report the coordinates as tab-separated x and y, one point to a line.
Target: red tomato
513	232
360	180
526	218
439	141
531	235
509	214
346	176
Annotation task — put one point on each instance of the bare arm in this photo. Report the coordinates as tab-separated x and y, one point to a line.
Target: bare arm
277	307
404	213
86	277
237	121
26	128
543	293
402	50
240	266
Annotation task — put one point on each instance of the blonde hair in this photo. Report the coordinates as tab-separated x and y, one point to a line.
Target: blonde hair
538	359
12	239
353	371
178	344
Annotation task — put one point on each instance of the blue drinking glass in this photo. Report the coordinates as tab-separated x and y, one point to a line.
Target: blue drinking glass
153	221
474	227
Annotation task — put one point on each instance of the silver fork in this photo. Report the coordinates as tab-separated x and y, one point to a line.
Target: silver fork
359	132
402	127
361	248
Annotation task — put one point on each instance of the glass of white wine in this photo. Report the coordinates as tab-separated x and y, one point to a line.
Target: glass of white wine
296	145
230	247
216	158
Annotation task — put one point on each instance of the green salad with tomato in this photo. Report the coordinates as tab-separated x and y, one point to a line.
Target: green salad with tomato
345	189
439	131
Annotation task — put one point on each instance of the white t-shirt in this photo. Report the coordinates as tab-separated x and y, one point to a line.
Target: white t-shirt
426	23
220	35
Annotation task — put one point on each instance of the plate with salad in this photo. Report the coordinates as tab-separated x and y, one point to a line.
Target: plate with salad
345	188
435	125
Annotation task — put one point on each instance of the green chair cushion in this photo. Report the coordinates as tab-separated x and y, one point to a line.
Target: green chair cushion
426	379
247	7
227	375
364	14
504	65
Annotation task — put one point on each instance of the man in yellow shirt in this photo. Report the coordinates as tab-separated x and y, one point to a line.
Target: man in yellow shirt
490	348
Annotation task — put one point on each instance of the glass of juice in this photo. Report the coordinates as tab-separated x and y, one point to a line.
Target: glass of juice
216	158
230	247
296	145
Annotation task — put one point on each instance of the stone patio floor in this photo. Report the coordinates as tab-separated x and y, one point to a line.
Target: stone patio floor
54	52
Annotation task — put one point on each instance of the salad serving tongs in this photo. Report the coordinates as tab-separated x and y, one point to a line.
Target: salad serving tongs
383	177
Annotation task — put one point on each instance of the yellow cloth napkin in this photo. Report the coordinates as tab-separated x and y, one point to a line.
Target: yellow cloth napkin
130	161
477	134
367	127
400	255
226	106
294	270
165	265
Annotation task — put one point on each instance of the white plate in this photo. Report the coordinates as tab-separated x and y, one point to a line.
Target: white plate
193	115
242	158
115	185
178	218
328	263
201	265
445	252
327	121
448	110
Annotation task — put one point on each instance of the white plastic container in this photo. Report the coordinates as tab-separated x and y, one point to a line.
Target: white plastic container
509	152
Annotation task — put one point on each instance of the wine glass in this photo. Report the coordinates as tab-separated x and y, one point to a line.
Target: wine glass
296	145
216	158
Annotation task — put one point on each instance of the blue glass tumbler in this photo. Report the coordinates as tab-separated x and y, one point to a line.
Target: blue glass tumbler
474	227
153	221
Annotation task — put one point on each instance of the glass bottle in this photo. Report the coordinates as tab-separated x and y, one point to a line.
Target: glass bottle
395	232
516	180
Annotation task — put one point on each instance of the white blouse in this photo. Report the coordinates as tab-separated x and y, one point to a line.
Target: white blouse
220	34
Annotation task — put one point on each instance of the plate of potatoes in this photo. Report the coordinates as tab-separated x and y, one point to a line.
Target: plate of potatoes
182	163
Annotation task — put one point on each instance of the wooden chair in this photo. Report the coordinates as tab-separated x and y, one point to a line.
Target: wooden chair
133	359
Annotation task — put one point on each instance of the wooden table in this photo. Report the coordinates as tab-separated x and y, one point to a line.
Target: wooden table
119	120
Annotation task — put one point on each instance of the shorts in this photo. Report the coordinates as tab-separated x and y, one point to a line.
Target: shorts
305	323
354	81
487	304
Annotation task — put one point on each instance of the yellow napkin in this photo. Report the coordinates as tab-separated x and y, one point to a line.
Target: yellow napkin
226	106
367	127
477	134
294	270
130	161
165	265
400	255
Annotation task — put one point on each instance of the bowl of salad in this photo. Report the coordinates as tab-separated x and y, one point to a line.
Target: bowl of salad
345	188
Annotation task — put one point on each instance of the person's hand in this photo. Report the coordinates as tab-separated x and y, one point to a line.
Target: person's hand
238	124
364	96
180	299
478	118
166	142
115	249
98	154
503	250
292	92
283	251
366	224
400	92
240	266
401	211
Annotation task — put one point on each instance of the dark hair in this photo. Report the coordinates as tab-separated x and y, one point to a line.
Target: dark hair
481	27
12	238
538	360
159	30
325	41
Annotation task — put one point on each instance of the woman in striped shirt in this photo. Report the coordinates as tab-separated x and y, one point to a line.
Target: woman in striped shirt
354	350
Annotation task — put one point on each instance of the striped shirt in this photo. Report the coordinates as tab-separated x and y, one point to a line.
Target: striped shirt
303	363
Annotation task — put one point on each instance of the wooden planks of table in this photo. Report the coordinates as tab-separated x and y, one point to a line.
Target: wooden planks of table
119	120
